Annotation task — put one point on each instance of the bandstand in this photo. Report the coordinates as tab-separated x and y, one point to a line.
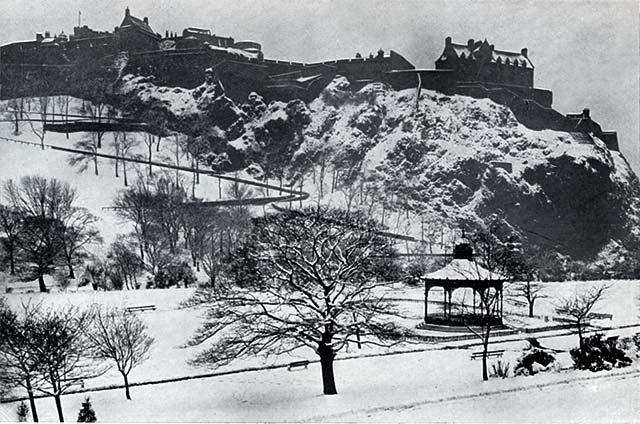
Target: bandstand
463	272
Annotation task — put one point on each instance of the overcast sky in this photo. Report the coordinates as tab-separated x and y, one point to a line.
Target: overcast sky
586	52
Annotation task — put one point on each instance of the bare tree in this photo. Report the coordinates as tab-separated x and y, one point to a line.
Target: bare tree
59	346
20	366
121	337
307	282
489	317
53	230
530	292
77	233
44	101
90	144
11	227
123	264
578	306
127	144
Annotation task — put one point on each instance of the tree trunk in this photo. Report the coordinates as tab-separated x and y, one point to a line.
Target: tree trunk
12	261
59	407
579	325
150	146
531	309
326	362
43	288
485	375
126	386
95	164
124	173
71	273
32	402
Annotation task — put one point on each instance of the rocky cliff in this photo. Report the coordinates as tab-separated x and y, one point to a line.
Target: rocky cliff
437	160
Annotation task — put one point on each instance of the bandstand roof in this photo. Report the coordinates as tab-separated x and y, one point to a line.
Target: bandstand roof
463	270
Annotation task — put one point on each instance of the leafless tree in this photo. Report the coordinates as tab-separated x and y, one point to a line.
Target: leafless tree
120	337
43	205
578	306
44	102
77	233
127	145
15	111
89	144
490	299
59	346
306	280
530	292
19	364
11	227
124	266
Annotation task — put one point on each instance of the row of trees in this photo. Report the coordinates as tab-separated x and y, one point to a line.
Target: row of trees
42	229
48	351
170	234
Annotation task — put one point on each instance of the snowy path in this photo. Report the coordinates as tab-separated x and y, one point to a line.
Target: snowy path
601	400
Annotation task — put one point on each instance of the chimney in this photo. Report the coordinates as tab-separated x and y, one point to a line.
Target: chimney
471	44
126	11
492	47
146	20
447	41
38	36
47	34
586	113
525	52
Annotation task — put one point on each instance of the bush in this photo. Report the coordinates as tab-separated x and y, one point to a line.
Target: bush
87	414
173	274
22	411
597	354
525	365
500	369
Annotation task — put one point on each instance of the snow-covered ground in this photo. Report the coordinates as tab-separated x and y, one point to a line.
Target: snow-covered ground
377	384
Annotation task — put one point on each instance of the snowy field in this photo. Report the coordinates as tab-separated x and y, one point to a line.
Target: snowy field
395	387
387	387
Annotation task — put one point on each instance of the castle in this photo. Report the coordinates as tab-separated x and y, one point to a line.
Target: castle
475	69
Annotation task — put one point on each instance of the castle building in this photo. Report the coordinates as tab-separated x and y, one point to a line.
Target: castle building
480	61
135	34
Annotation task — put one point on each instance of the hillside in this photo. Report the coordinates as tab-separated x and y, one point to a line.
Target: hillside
423	171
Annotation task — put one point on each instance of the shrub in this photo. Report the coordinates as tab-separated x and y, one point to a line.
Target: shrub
22	411
525	365
173	274
87	414
598	354
500	369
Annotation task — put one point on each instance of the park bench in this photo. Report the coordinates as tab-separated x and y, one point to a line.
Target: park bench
490	354
298	364
74	382
595	315
141	308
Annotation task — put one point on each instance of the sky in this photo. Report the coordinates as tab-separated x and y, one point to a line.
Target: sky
586	52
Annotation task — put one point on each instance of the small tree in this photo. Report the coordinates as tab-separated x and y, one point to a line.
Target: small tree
82	160
10	226
314	286
19	364
59	345
22	411
578	306
529	292
121	337
87	414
